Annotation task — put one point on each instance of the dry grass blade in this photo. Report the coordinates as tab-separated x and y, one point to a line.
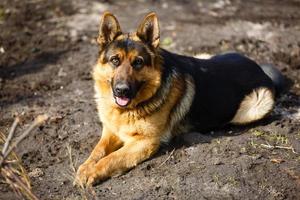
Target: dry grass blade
10	135
86	193
170	155
268	146
11	170
19	184
72	163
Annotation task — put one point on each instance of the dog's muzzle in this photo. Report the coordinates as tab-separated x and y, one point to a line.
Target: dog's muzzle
123	94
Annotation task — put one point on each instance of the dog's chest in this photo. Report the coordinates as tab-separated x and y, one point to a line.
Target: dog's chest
129	124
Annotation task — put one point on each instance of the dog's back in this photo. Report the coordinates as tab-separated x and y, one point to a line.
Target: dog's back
228	88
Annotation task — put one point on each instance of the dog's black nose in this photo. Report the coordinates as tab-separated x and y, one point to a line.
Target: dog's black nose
122	90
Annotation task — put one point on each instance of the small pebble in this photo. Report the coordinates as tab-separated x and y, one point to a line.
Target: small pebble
35	173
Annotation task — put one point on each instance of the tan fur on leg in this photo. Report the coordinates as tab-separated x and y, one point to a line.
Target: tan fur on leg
125	158
107	144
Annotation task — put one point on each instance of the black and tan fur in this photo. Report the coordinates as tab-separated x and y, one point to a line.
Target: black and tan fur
145	95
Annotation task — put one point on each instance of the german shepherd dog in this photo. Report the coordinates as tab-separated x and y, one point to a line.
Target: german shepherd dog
145	95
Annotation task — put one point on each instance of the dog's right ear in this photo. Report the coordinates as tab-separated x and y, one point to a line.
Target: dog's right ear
109	29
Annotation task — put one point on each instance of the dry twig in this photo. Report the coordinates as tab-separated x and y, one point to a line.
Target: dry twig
170	155
268	146
11	169
10	135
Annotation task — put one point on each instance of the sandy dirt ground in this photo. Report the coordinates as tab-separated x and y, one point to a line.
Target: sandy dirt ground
47	50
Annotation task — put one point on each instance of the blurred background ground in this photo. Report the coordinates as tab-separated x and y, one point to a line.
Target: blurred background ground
47	49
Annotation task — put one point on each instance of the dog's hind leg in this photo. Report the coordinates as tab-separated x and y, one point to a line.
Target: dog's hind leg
254	106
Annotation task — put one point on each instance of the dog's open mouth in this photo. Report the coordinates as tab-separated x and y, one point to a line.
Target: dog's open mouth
122	101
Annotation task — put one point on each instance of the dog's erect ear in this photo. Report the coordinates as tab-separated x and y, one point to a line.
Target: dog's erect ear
148	30
109	29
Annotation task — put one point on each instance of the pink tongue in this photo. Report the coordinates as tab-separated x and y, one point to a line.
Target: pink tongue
122	101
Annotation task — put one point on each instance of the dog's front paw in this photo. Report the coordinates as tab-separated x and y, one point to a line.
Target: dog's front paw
86	174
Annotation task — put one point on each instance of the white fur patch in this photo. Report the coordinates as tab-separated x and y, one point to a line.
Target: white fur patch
254	106
203	56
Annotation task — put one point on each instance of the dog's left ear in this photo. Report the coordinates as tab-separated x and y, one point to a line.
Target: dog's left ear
148	30
109	29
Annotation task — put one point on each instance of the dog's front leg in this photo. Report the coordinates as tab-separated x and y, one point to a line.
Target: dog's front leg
107	144
132	153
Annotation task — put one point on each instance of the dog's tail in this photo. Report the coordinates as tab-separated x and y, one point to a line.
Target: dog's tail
276	76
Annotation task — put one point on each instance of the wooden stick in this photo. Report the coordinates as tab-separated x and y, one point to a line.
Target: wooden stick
10	135
268	146
39	120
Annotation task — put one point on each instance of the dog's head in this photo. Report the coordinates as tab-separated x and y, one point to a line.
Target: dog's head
128	70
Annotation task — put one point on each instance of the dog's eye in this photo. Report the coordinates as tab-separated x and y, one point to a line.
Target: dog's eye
115	61
138	62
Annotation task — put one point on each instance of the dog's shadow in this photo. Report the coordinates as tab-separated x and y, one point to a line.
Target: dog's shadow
194	137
